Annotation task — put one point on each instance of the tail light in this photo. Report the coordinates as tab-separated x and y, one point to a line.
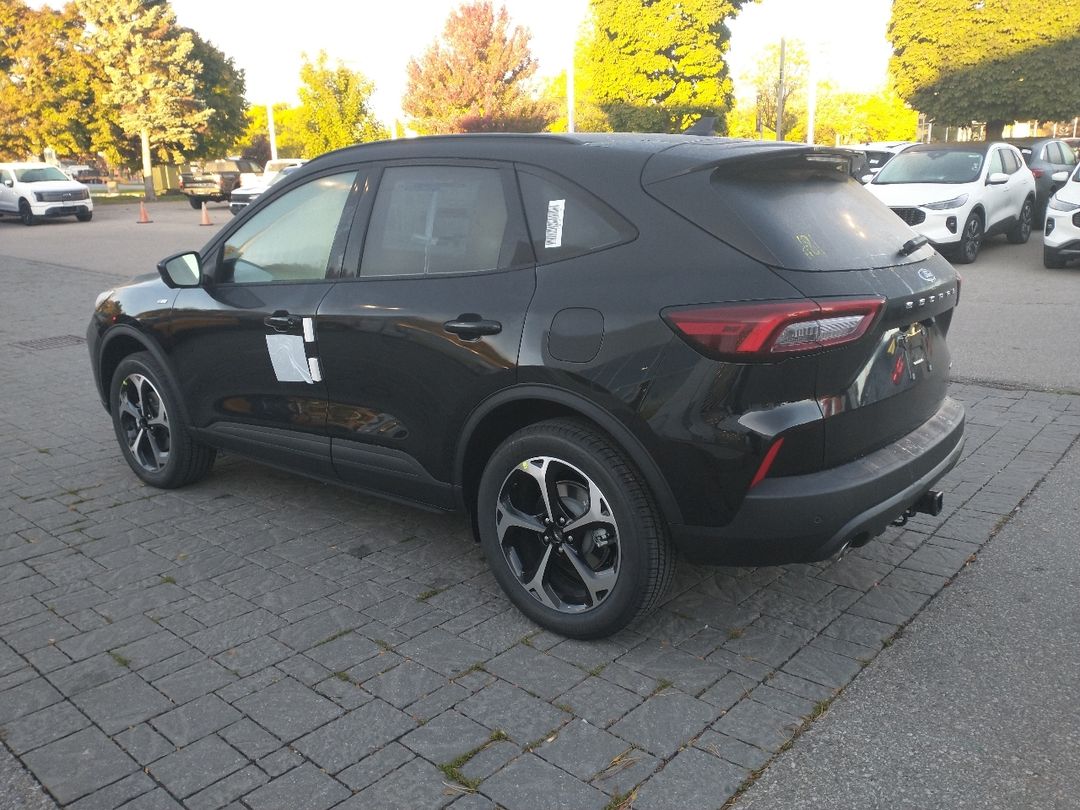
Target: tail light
743	332
1038	173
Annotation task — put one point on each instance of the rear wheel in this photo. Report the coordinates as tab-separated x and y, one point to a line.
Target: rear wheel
195	202
25	214
1020	232
570	530
970	240
152	436
1052	259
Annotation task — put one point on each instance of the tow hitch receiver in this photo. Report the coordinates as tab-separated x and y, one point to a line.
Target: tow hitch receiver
929	503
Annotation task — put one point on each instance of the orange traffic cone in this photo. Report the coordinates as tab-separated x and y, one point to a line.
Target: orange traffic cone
144	218
205	215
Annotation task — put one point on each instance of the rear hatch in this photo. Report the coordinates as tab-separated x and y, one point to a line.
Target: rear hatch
796	210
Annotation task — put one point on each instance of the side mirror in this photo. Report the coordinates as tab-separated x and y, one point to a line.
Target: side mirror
866	178
9	183
1060	177
997	179
181	270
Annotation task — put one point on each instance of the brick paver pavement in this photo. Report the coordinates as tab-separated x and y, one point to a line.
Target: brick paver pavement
259	640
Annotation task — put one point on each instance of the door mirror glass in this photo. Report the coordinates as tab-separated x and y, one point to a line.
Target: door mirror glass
182	270
997	179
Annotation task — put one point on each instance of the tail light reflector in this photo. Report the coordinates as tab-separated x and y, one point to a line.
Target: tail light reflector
742	332
1038	173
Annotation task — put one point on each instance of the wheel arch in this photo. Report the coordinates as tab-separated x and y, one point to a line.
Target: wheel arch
512	409
123	341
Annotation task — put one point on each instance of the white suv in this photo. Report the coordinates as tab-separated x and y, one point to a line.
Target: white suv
36	190
957	194
1061	237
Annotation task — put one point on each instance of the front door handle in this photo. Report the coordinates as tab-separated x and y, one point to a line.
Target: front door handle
281	321
471	327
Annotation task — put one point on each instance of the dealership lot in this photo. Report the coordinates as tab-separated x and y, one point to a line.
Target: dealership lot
263	638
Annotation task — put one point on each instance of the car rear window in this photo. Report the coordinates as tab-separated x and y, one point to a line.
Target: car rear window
798	213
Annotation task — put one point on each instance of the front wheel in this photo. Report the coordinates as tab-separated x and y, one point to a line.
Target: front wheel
84	216
1019	233
155	441
571	531
970	240
25	214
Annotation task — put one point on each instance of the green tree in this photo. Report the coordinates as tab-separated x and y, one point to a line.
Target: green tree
766	82
658	65
220	88
288	131
150	75
960	61
475	78
47	82
334	107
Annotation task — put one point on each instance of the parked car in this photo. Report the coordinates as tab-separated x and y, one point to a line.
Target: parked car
958	194
242	197
726	347
1045	157
34	191
215	180
878	154
1061	233
273	167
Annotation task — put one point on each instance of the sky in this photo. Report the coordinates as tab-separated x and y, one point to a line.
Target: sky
845	38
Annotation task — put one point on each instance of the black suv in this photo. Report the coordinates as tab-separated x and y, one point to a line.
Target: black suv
602	348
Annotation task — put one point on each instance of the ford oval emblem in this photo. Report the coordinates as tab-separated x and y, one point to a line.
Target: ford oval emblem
926	275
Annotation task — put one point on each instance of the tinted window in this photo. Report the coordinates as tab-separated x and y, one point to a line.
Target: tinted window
291	238
565	220
1012	161
933	166
437	219
799	213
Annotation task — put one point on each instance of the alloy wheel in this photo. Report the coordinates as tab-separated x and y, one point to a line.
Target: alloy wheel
972	238
145	422
558	534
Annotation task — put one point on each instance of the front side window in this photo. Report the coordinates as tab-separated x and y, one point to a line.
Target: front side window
437	219
291	238
1068	156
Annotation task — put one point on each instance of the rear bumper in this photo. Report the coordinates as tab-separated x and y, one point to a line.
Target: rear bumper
805	518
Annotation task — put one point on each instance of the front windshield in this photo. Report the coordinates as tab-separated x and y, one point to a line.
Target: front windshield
934	166
38	174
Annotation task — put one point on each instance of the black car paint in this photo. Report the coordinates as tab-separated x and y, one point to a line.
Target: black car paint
408	409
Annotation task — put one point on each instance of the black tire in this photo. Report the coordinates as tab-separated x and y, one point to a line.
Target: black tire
195	202
970	239
26	214
1018	234
625	546
151	433
84	216
1052	260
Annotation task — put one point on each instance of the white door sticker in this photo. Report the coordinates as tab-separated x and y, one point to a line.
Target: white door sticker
289	358
553	231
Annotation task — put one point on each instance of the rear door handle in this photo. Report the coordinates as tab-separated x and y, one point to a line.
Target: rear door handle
471	327
282	321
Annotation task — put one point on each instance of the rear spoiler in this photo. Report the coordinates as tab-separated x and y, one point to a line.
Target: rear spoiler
702	154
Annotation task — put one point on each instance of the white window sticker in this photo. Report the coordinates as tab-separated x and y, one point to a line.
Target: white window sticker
553	231
289	358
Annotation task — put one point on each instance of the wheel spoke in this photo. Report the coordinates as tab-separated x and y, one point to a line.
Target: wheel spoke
598	583
128	407
598	511
509	517
548	490
536	585
134	446
161	456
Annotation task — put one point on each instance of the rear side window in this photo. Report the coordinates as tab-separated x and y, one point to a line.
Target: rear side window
565	220
437	219
799	213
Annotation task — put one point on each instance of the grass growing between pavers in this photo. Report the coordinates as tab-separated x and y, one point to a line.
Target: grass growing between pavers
452	769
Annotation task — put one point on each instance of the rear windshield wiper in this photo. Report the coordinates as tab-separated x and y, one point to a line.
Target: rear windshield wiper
913	244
